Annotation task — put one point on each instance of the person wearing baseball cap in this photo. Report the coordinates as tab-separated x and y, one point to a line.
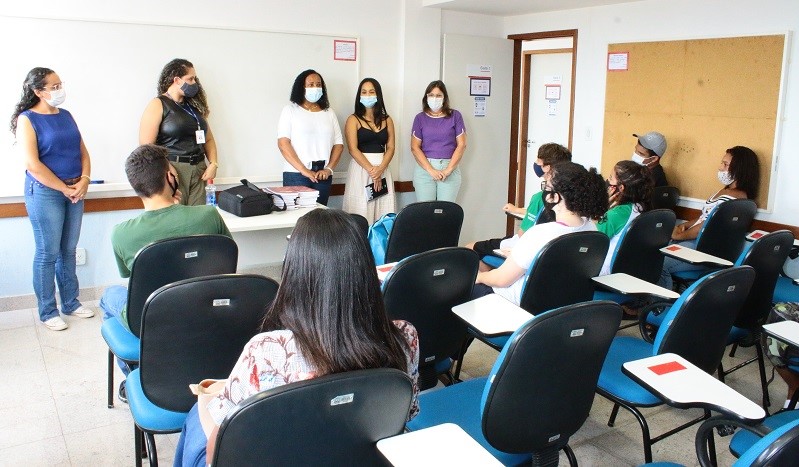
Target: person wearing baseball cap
648	151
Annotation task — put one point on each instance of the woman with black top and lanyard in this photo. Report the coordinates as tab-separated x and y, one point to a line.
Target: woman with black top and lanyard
176	120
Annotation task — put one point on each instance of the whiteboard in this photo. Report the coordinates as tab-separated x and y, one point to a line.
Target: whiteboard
110	72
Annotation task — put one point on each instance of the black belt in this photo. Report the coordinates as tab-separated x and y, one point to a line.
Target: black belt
193	160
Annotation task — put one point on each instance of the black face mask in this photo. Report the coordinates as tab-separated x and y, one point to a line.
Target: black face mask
190	90
546	194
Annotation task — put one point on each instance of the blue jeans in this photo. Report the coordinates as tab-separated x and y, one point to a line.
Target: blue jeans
428	189
672	265
113	301
191	448
298	179
56	228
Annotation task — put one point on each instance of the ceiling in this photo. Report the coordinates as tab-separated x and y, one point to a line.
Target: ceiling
516	7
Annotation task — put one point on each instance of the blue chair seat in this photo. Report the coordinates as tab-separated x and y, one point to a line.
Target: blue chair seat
147	415
786	291
612	380
120	340
743	439
493	261
443	366
460	404
737	335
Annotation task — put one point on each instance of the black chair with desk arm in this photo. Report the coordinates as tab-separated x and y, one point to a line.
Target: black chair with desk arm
158	264
336	419
777	448
424	226
190	330
560	275
766	255
422	289
638	252
723	235
539	391
695	327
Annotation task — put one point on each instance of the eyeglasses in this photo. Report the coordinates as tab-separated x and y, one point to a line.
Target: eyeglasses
55	87
544	186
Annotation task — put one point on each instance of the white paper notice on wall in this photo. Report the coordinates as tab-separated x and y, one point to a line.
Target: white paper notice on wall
478	70
552	108
479	106
618	61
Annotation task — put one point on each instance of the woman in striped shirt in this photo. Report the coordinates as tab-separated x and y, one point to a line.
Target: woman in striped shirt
739	172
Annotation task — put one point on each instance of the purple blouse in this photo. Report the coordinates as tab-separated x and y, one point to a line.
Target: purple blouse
438	134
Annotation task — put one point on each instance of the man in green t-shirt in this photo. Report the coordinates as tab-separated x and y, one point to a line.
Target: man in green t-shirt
155	181
548	154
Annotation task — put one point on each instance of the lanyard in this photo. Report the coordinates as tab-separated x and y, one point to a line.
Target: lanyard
190	110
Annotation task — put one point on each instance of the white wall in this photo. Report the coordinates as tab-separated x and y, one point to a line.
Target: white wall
657	20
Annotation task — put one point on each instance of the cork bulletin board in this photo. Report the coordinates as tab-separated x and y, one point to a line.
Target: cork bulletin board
705	96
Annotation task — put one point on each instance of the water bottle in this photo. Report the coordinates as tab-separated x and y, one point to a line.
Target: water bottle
210	193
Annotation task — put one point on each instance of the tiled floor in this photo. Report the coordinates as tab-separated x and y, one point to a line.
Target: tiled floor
53	410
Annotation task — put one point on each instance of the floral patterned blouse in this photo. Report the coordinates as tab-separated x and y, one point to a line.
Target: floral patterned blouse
272	359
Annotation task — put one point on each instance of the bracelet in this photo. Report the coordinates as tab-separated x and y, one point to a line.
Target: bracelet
86	177
328	168
214	164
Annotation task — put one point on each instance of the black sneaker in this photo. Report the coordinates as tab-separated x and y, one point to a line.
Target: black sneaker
122	394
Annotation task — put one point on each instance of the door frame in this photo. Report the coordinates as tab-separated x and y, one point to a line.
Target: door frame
518	125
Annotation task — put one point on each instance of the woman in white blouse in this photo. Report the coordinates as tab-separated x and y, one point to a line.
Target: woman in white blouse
309	136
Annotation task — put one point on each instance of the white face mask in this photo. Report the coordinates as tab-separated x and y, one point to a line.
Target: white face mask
57	97
725	177
313	94
638	159
435	103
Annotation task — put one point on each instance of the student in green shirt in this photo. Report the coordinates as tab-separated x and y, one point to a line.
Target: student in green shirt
629	194
548	154
155	180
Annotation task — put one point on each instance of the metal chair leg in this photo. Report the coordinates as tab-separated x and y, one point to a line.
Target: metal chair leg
137	445
152	454
570	455
110	379
613	414
762	367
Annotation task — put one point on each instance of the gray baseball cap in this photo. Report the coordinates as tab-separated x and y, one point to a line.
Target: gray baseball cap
653	141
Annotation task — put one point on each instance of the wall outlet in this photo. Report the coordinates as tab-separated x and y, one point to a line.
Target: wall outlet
80	256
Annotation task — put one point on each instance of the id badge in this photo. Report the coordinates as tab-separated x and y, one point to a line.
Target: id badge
200	135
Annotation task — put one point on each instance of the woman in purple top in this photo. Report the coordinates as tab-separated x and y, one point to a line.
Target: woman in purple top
438	141
57	178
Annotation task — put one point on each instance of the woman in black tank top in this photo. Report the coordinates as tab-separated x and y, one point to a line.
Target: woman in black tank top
176	120
370	139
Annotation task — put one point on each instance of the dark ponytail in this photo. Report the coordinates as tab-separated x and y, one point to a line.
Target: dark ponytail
33	82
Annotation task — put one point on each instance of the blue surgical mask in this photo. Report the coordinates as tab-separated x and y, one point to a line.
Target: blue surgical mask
368	101
539	171
313	94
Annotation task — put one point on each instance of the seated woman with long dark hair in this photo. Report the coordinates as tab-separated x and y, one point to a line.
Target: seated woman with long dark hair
739	173
629	194
578	197
324	320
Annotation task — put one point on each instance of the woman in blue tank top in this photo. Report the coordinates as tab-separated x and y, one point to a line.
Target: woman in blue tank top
57	178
